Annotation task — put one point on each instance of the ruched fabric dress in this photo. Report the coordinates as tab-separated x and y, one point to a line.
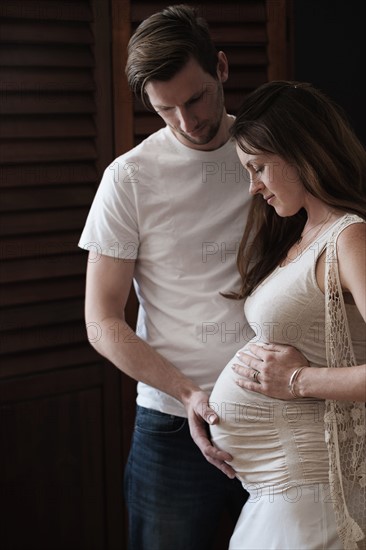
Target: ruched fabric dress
279	448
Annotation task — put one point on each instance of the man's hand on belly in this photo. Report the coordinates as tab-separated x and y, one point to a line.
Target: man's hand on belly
200	414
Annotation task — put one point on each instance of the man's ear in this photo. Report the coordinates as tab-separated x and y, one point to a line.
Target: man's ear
222	67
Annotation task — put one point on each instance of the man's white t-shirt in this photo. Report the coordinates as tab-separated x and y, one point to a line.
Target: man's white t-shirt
180	213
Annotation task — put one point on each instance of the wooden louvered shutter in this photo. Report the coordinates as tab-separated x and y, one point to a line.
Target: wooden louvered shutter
59	405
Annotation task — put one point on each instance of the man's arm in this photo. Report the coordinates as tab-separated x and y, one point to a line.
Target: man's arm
108	285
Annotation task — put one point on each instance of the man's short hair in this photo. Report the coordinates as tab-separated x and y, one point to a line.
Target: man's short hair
163	44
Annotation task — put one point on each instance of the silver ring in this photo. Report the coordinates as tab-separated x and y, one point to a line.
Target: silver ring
255	376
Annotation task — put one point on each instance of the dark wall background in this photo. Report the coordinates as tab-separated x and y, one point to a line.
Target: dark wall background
329	51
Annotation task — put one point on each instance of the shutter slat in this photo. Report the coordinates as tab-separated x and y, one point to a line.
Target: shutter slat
61	197
48	175
212	12
42	337
38	246
249	78
89	379
250	57
33	79
255	34
41	56
76	10
58	357
47	151
47	32
43	268
14	294
36	222
50	127
41	315
45	103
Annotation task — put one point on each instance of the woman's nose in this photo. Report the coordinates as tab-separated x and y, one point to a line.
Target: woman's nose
256	185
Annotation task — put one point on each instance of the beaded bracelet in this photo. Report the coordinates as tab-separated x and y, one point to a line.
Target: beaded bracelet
293	378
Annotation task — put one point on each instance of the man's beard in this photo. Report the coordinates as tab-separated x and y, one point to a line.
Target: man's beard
212	128
205	138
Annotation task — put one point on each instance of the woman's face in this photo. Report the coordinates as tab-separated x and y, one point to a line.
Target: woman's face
276	180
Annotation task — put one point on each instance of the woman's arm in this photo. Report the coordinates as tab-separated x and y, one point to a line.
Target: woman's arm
272	360
275	370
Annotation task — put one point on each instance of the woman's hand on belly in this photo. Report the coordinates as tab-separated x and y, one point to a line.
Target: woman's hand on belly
267	369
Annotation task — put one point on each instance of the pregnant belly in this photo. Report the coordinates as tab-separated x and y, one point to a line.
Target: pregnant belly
273	442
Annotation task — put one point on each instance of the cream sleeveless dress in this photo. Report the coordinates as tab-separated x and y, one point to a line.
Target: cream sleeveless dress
279	449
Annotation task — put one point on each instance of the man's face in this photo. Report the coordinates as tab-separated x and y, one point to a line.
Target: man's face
192	104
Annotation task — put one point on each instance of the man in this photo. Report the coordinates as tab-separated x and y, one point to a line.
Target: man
169	215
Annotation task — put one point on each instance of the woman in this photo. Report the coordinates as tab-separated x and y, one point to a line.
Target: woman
302	460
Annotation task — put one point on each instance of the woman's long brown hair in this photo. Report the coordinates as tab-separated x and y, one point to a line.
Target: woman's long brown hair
300	124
